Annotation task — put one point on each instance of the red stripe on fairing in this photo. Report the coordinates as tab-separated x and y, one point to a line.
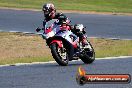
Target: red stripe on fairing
48	30
65	27
58	42
74	44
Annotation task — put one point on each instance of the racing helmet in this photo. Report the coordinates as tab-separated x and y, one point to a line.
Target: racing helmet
49	9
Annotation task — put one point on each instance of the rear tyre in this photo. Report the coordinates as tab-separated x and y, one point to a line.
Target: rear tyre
88	55
60	56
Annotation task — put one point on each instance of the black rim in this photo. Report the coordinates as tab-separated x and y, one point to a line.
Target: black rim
62	54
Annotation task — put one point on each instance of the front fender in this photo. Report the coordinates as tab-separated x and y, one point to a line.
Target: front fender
59	42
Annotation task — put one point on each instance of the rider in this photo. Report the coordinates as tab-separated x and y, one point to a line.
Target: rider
50	13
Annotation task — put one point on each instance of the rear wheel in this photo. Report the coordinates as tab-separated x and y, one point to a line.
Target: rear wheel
60	55
88	54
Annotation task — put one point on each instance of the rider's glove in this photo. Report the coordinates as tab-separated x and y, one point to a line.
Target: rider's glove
38	29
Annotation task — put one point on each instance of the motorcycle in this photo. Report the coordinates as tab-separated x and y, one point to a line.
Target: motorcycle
65	45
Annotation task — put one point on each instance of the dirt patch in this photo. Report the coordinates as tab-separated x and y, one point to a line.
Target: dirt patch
17	45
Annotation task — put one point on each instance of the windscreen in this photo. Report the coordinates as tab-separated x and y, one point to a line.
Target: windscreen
50	23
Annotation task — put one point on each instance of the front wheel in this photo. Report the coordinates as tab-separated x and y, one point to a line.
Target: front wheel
88	54
59	54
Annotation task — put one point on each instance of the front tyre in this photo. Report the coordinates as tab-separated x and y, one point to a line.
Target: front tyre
59	54
88	54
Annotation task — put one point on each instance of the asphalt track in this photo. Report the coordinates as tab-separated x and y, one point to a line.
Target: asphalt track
51	75
105	26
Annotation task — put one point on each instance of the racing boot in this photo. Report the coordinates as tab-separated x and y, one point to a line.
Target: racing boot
84	41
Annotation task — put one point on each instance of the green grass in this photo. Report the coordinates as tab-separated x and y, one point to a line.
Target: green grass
24	60
108	47
83	5
23	48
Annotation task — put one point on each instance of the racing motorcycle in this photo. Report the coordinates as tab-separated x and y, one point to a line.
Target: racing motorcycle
65	45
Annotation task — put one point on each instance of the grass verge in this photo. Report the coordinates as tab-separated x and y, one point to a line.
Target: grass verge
24	48
83	5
